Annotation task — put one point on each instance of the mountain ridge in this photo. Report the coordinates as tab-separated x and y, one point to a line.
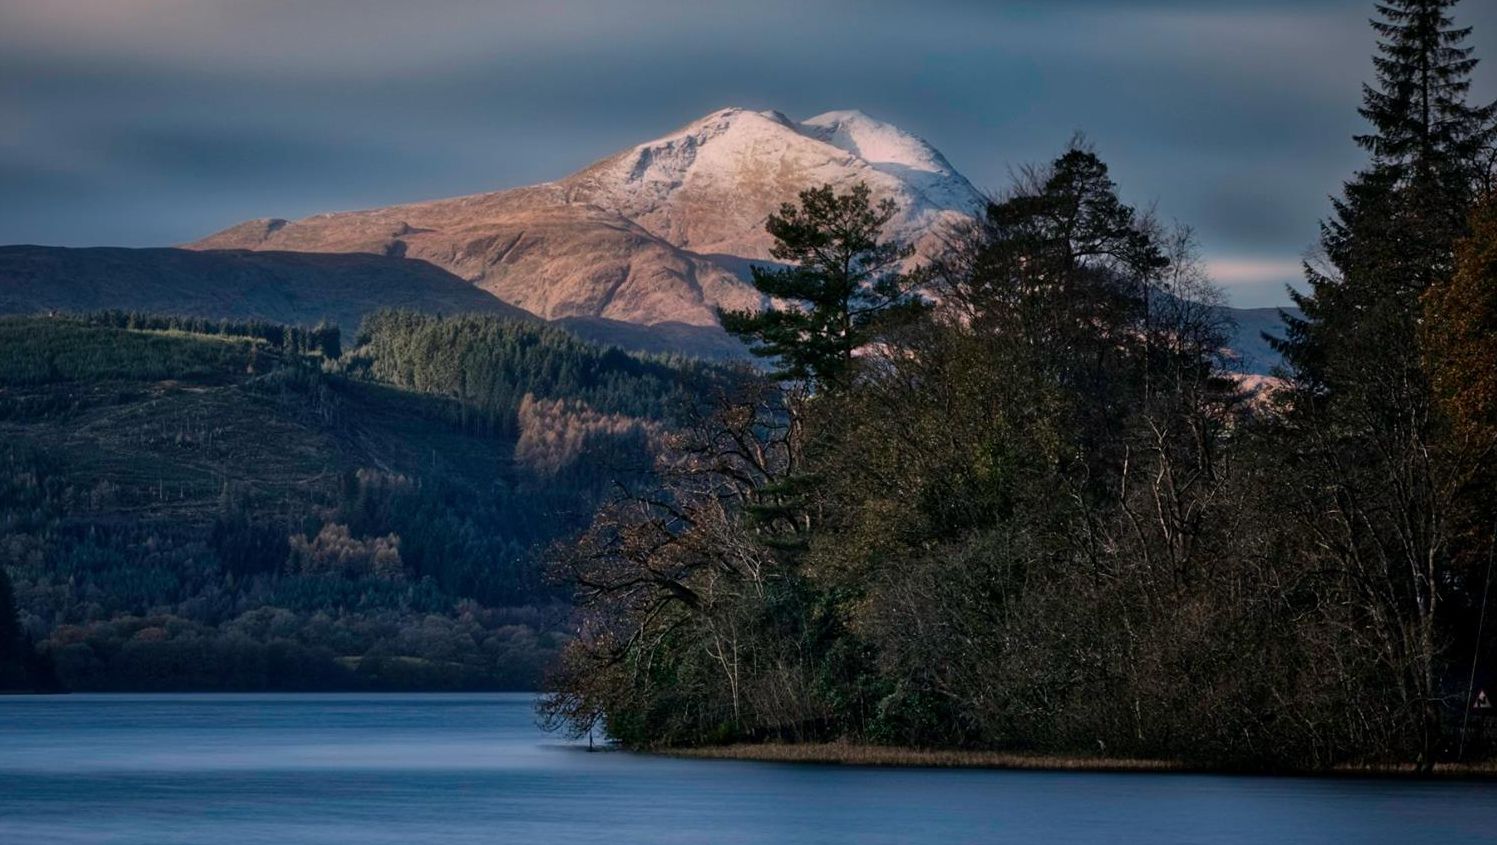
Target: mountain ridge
640	249
282	287
659	233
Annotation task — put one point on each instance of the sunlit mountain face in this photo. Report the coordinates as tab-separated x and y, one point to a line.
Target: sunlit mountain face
662	232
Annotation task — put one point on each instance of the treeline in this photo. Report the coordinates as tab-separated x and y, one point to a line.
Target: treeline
413	530
489	365
1042	515
274	648
322	339
40	351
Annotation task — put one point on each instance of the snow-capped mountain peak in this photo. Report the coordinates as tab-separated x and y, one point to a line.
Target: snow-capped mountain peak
660	232
876	142
898	153
709	185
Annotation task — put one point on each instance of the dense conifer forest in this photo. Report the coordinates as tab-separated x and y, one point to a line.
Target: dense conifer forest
1015	499
189	504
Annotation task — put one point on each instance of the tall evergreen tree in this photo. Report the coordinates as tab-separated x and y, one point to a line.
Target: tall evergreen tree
1063	266
1379	488
1419	110
1393	231
841	280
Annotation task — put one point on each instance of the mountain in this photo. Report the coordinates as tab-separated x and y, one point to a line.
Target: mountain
286	287
1253	352
661	233
709	186
639	249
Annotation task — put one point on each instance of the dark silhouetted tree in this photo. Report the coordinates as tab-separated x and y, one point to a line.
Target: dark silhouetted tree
1381	485
842	280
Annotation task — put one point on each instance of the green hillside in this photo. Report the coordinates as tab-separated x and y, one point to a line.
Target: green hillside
193	505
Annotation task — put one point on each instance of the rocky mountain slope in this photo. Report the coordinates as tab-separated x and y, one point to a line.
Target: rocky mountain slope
639	249
661	233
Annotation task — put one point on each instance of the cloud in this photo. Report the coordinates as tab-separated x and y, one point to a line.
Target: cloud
155	121
1235	271
1256	282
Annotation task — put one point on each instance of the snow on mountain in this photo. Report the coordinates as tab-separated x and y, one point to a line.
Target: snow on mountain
710	185
659	233
900	154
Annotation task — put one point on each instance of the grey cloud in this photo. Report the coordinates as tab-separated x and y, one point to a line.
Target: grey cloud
143	122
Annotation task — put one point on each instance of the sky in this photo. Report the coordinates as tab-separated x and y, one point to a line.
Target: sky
155	122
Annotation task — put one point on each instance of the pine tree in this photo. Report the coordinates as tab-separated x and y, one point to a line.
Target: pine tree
1393	231
1419	108
842	279
1378	491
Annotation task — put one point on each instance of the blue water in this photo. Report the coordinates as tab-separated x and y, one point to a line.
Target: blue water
474	768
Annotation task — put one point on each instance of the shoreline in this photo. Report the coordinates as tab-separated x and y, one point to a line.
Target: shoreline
875	756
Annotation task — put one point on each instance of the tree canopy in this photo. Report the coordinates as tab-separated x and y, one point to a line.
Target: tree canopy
841	281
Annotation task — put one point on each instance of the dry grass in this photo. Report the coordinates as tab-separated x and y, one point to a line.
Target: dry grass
1485	769
845	754
875	755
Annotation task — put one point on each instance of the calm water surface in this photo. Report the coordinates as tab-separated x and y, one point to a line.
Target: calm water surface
458	769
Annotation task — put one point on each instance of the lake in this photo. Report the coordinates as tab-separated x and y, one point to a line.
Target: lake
291	769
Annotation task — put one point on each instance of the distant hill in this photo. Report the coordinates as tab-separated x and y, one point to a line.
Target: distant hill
660	233
284	287
642	247
639	249
343	288
1254	354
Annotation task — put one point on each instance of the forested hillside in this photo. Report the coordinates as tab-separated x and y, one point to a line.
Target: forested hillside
187	504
